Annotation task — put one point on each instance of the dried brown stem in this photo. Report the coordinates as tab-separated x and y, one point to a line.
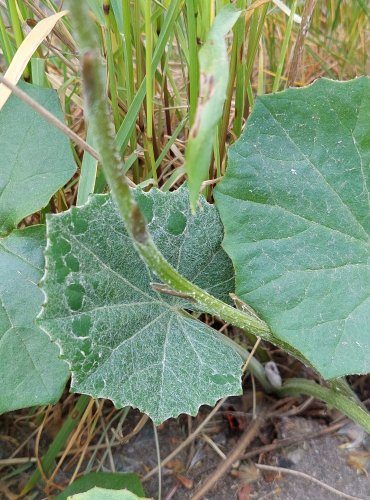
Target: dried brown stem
299	44
187	441
232	457
303	475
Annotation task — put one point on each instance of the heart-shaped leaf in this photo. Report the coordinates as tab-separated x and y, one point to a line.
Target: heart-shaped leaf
35	160
295	206
30	371
123	340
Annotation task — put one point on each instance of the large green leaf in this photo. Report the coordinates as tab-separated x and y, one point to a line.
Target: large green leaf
214	74
35	160
123	340
295	206
30	371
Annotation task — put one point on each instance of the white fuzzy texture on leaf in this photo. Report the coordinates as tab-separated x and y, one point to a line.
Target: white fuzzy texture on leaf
124	341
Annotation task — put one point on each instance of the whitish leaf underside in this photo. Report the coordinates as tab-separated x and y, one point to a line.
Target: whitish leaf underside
123	340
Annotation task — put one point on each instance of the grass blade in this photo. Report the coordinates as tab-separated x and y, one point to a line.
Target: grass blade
25	51
214	70
127	126
88	174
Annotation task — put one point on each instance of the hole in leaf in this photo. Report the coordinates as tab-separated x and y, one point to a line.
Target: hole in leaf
176	223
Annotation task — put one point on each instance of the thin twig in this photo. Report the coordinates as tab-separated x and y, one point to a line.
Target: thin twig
213	445
54	121
72	440
251	354
187	441
49	117
231	458
109	449
303	475
37	445
117	433
90	434
290	441
159	462
5	462
299	409
299	44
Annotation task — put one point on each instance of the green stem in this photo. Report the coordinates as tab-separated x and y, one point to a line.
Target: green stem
338	396
149	87
59	441
5	43
255	367
229	96
135	223
16	25
128	123
284	47
155	260
102	129
256	28
17	29
129	69
110	59
240	72
193	59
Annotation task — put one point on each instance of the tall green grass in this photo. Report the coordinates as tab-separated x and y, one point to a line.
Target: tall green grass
151	53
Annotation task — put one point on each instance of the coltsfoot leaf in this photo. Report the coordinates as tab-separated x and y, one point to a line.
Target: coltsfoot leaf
30	371
295	206
123	340
36	159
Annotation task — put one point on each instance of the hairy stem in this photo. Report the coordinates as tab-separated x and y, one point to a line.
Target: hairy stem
338	395
103	131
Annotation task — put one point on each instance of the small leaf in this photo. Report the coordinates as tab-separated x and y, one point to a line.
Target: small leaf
123	340
103	494
295	206
36	159
111	480
30	371
214	74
